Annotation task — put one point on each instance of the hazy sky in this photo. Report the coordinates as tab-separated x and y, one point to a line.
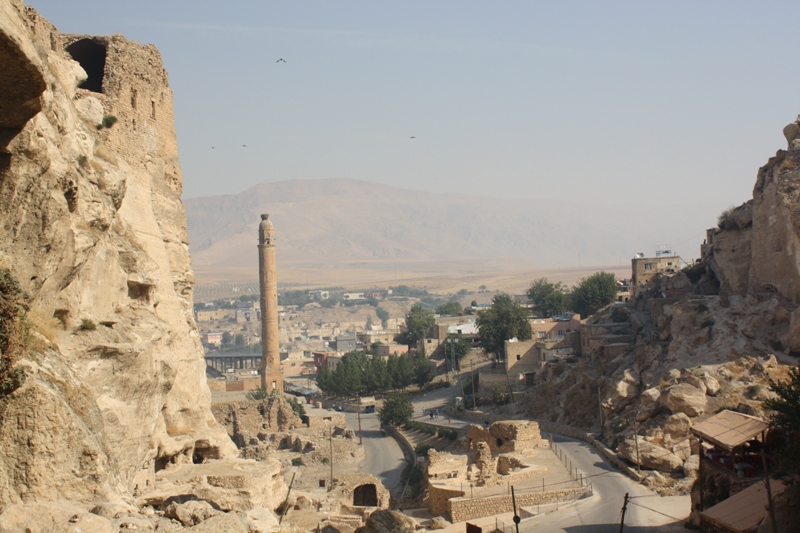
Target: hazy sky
656	102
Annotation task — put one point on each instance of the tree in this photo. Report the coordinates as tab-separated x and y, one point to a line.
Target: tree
396	410
423	371
456	347
449	309
239	339
418	320
593	293
503	321
786	416
227	339
383	315
548	299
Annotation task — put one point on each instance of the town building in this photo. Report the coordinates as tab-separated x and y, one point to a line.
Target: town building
644	268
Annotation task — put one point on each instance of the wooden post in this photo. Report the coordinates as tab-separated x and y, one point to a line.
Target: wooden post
769	492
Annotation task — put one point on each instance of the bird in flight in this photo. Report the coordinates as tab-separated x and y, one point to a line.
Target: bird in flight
412	137
244	146
212	147
281	60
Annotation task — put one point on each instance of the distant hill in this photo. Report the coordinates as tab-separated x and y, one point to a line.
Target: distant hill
330	222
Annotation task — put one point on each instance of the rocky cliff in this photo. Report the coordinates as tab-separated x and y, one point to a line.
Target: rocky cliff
702	340
92	225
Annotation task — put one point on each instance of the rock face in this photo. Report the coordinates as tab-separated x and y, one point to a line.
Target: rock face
92	224
754	250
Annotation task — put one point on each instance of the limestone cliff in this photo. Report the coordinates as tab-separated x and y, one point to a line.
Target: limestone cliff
692	343
92	224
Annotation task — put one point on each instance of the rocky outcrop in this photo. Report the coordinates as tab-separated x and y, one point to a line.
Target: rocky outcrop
93	227
650	455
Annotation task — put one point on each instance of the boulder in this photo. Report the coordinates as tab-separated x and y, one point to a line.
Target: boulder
682	449
260	520
650	396
190	513
677	426
52	517
712	385
691	467
221	523
655	479
646	411
695	381
386	521
684	398
651	455
438	522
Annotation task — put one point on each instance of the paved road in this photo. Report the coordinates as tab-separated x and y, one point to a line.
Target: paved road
601	513
385	459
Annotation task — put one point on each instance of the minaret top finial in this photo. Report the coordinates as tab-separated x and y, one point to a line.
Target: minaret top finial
265	216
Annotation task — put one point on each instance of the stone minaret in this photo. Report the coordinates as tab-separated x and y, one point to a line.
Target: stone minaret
272	374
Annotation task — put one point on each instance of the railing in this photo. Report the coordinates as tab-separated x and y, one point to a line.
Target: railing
574	473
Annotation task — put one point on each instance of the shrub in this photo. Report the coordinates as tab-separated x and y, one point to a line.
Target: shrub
297	407
422	449
325	461
298	461
257	394
82	160
87	324
108	121
725	219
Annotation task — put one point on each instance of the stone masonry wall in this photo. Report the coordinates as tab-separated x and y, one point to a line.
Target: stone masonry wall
460	509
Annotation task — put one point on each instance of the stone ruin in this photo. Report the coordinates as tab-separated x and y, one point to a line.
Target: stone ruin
495	455
505	436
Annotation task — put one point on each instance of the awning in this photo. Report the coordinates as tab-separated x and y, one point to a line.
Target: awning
729	429
744	511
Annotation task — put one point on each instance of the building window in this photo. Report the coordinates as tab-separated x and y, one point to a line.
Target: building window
541	334
519	357
648	266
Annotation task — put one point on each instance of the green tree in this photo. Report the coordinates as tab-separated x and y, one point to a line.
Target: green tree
593	293
383	315
239	339
456	347
227	339
418	321
548	299
503	321
396	410
449	309
423	371
786	416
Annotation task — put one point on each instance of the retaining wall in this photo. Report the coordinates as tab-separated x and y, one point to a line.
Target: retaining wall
460	509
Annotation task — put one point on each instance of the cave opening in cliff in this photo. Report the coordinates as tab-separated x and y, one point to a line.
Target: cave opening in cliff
92	57
365	495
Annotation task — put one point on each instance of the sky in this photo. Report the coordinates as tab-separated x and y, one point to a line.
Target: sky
609	102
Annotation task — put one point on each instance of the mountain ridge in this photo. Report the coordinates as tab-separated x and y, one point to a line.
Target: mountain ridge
329	221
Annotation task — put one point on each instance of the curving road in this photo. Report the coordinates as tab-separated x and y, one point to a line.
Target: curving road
602	513
385	459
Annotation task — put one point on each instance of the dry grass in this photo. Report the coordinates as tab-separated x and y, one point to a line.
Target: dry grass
45	324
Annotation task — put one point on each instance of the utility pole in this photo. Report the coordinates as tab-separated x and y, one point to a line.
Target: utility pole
358	410
474	392
624	507
516	516
636	442
330	485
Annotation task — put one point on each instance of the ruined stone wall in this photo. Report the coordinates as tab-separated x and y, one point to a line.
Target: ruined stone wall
439	496
505	436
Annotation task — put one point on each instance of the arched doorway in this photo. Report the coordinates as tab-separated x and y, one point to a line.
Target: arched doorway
365	496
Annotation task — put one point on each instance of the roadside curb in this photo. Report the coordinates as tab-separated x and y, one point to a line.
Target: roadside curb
408	450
